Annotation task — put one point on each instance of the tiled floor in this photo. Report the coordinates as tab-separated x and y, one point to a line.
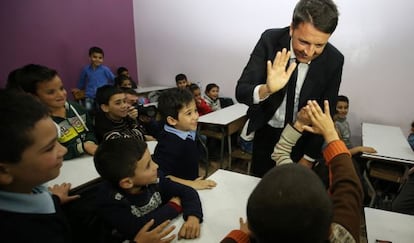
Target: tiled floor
241	167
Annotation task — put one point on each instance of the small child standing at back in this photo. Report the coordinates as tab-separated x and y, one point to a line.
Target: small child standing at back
202	106
212	96
177	151
93	76
181	81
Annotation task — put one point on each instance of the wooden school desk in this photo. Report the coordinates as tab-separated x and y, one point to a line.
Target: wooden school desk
230	120
388	226
391	145
81	172
222	205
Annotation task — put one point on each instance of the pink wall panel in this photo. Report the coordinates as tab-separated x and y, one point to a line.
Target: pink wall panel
58	34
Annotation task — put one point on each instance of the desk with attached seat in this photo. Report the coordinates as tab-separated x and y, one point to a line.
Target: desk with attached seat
392	148
230	120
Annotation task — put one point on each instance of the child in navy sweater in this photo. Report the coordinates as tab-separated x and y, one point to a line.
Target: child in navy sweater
177	152
133	193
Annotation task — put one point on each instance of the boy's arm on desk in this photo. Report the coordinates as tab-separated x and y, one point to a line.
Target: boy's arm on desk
197	184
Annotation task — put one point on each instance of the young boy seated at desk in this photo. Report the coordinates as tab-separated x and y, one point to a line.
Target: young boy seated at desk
181	81
31	156
116	117
202	106
290	203
211	96
133	193
177	151
75	123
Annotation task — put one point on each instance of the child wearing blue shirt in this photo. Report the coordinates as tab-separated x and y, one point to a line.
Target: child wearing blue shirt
93	76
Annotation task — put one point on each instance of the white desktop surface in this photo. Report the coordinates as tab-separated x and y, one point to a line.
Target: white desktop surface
389	141
76	171
222	205
389	226
82	170
148	89
224	116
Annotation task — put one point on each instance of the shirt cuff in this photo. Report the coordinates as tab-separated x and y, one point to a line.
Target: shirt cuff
238	236
175	206
333	149
256	98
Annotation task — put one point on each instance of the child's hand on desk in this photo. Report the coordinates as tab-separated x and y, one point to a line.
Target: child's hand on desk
156	235
364	149
200	184
190	228
62	191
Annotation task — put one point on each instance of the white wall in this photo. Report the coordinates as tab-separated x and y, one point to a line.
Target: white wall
211	41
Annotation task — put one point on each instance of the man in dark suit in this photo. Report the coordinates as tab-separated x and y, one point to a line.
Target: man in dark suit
274	89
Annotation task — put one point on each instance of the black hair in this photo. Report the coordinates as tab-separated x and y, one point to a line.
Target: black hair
172	101
28	77
104	94
116	159
121	78
322	14
19	114
342	98
193	87
290	204
95	49
130	91
179	77
210	87
120	70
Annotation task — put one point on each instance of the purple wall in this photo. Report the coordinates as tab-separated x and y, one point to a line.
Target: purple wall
58	34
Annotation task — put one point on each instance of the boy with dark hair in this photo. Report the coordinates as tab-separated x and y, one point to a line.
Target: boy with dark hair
115	117
177	151
123	71
342	126
76	126
202	106
211	96
93	76
30	155
304	211
181	81
133	194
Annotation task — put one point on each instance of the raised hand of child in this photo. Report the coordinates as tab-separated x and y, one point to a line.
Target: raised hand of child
302	119
62	191
156	235
322	122
190	228
243	226
200	184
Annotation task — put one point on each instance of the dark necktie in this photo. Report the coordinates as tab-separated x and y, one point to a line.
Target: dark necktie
290	99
